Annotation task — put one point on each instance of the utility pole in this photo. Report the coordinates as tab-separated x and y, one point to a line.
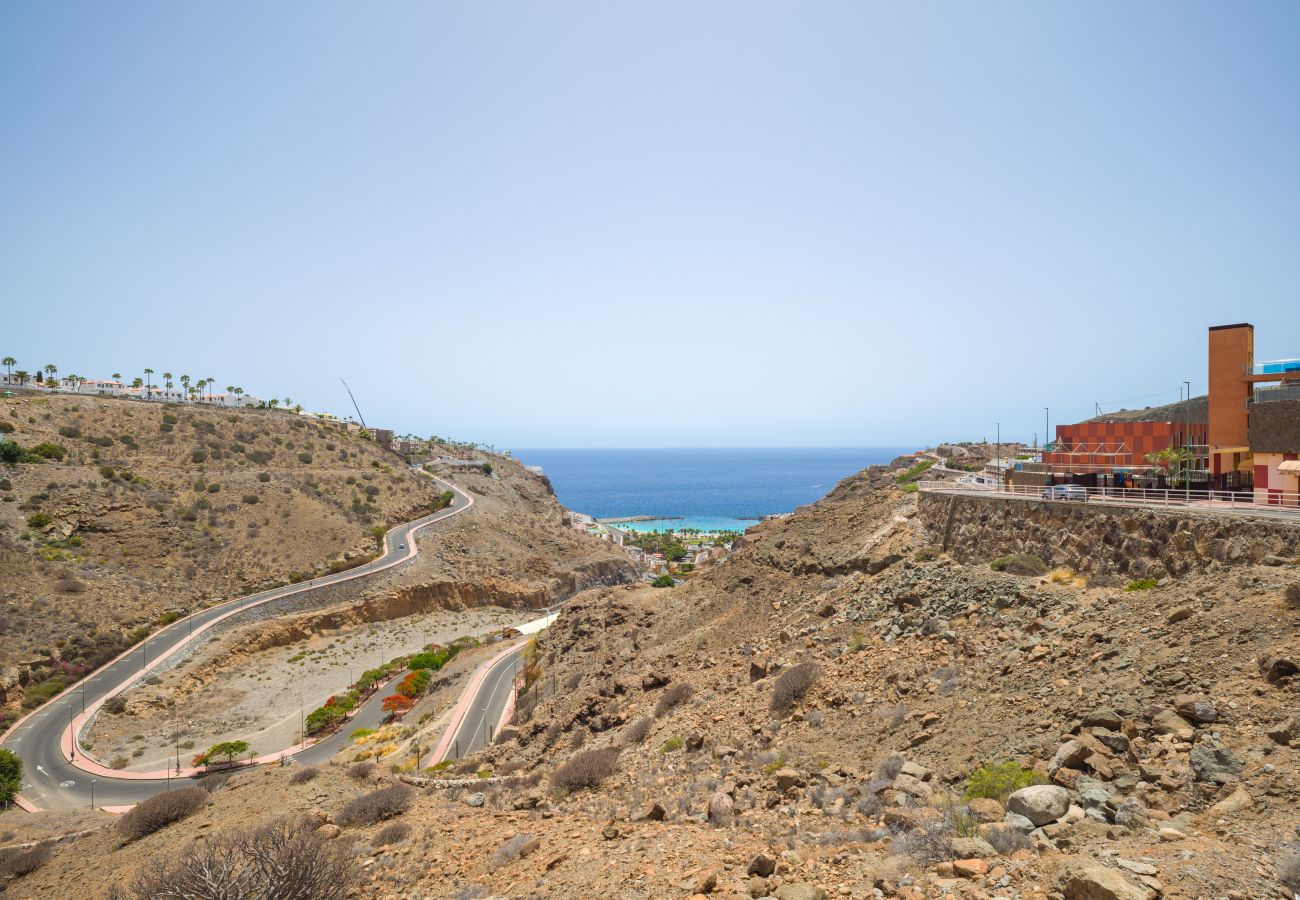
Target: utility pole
72	735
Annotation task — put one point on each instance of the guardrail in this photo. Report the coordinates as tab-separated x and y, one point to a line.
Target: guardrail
1277	502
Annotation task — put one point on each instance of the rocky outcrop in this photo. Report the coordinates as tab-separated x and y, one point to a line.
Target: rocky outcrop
1095	539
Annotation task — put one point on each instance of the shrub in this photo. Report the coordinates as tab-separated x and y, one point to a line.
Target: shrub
997	782
304	457
793	684
1141	584
212	783
46	450
392	833
116	705
68	584
16	862
361	771
199	456
160	811
1019	564
250	499
585	769
509	851
11	774
636	732
70	431
385	803
1288	871
910	488
672	745
304	775
1292	595
1007	840
285	859
38	520
927	845
264	477
663	581
675	695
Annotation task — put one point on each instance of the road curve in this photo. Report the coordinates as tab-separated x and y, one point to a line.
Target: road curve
55	774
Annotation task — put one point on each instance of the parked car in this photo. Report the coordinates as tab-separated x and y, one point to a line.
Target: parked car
1065	492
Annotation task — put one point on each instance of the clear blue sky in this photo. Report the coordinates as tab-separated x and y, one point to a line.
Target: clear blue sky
667	224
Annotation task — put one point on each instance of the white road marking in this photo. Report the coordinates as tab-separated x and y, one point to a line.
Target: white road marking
66	784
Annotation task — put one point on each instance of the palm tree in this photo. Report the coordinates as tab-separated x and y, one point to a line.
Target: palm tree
211	381
167	380
23	375
9	362
148	379
273	402
51	370
117	376
137	383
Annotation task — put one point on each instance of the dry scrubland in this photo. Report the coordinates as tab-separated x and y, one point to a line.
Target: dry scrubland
838	710
155	508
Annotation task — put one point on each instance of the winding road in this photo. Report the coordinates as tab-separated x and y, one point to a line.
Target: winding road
58	776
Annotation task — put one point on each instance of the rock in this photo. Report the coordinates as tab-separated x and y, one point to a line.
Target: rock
787	779
1103	718
723	752
1137	868
721	811
913	787
694	742
985	809
652	812
1018	822
1235	802
705	882
476	799
329	831
972	848
1093	881
969	868
652	680
316	817
609	833
761	865
916	770
757	887
1069	755
1212	761
1131	813
1196	709
1039	803
799	891
1171	834
1286	732
1180	614
1167	721
757	671
901	819
1275	668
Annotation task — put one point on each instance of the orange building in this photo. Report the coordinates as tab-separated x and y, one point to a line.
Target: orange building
1108	446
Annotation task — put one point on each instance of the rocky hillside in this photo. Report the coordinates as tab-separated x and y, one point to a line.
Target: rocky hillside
841	710
139	511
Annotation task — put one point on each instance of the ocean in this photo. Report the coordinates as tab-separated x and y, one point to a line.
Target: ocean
709	489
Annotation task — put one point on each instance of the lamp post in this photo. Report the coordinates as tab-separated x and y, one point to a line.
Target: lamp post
1047	439
997	459
92	793
72	734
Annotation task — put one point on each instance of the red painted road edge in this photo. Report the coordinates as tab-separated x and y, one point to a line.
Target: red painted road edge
467	697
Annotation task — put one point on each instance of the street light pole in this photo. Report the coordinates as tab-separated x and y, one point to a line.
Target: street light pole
997	460
72	735
92	793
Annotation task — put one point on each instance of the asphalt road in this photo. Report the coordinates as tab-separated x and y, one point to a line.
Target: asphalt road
479	724
51	781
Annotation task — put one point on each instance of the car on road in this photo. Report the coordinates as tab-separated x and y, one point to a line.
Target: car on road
401	546
1065	492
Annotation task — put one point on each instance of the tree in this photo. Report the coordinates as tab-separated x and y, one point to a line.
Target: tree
228	749
137	383
9	362
117	376
148	379
11	774
397	704
273	402
1176	461
663	581
167	380
22	375
50	371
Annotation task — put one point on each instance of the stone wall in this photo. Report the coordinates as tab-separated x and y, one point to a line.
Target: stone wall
1275	427
1102	540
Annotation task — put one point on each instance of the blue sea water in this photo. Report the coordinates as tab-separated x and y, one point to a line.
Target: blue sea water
708	489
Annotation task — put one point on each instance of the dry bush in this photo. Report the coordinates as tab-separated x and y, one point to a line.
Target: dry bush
1007	840
586	769
213	783
160	811
509	851
392	833
636	732
793	684
1293	595
385	803
927	845
361	771
19	861
284	859
304	775
116	705
69	584
1288	871
675	695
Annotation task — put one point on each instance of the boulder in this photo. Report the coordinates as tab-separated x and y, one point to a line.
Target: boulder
1276	668
1040	803
1238	801
1212	761
972	848
1017	822
1286	732
1194	708
651	812
475	799
329	831
1103	718
1131	813
1093	881
652	680
985	809
1069	755
970	868
787	779
1167	721
761	865
913	787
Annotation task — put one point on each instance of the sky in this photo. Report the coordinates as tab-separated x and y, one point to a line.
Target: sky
686	224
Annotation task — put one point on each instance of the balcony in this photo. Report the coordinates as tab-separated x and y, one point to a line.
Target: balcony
1275	367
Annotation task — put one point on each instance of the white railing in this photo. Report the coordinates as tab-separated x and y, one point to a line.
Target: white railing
1275	502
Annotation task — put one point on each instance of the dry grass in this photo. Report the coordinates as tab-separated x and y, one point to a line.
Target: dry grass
160	811
675	695
793	684
385	803
15	863
586	769
304	775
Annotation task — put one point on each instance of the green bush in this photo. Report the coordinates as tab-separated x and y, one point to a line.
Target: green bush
1019	564
997	782
46	450
1141	584
38	520
304	457
663	581
264	477
250	498
915	472
911	487
672	744
199	456
70	431
11	774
